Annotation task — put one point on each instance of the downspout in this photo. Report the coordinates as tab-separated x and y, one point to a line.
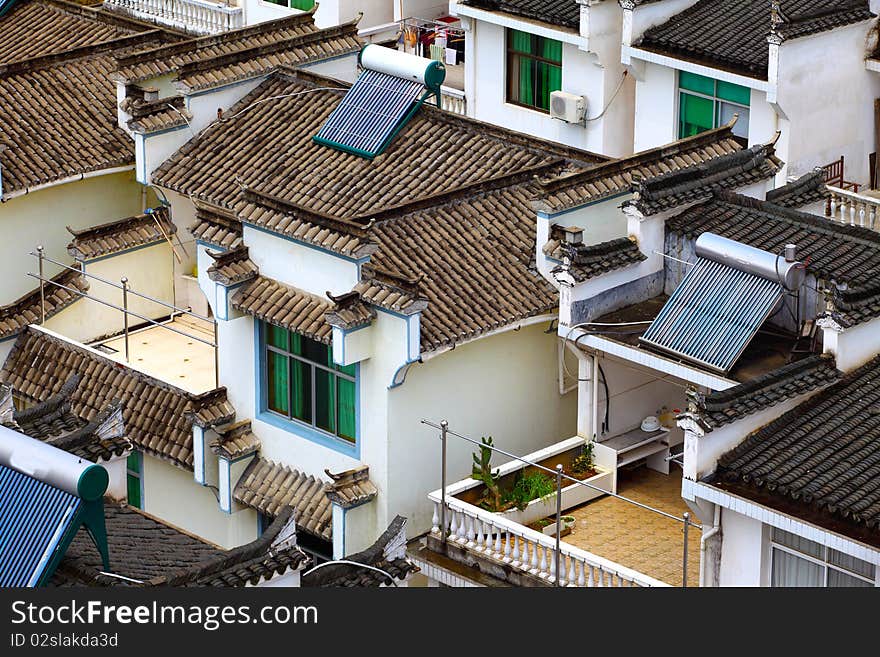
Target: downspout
716	527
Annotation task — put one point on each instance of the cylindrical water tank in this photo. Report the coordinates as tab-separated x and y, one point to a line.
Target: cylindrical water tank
429	72
52	465
748	258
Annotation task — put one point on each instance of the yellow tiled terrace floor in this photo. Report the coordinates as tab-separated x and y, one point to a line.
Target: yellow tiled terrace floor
637	538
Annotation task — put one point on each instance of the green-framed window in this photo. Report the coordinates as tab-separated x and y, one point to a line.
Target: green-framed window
534	69
304	5
134	466
303	383
704	103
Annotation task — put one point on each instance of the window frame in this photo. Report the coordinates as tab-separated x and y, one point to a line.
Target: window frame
509	53
716	103
309	430
286	5
823	563
139	475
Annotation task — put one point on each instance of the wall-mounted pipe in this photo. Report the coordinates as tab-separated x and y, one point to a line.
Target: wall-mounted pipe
716	527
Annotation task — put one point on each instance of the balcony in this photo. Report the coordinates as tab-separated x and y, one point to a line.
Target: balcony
848	207
193	16
613	542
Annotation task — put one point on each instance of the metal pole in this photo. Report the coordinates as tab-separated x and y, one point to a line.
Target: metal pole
558	519
124	282
684	557
42	287
444	427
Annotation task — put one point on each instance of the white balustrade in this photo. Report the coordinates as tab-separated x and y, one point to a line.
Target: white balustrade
453	100
847	207
196	16
503	540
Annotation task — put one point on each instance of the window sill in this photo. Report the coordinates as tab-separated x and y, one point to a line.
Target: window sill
310	433
527	108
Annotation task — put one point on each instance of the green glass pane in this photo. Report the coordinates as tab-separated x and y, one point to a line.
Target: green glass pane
133	484
698	83
313	350
347	369
734	93
520	41
346	398
325	400
302	390
278	384
305	5
549	80
695	115
133	463
551	49
283	3
276	336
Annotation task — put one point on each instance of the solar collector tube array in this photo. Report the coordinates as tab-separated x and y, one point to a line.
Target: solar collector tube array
369	113
713	314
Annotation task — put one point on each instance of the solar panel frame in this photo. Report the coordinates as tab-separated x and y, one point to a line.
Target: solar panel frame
367	117
713	315
34	517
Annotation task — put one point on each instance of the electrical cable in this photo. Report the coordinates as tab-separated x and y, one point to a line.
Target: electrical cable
613	96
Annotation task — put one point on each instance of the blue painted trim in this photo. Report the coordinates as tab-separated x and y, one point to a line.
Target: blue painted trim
393	313
13	336
358	261
295	426
406	367
228	489
147	135
355	329
158	242
204	481
545	215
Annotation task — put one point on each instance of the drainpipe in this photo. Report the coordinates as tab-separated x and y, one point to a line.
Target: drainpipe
716	527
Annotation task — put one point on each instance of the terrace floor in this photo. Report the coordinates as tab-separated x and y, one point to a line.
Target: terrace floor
171	357
637	538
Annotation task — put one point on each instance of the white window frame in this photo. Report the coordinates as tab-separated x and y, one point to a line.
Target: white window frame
824	563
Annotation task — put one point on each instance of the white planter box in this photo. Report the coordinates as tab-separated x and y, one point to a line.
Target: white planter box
572	496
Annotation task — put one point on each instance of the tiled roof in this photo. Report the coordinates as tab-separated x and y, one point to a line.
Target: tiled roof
240	54
216	226
27	310
565	13
390	292
350	311
235	440
154	115
158	417
351	488
148	552
387	554
824	455
848	254
283	305
616	177
769	389
809	188
121	235
269	487
697	183
54	422
40	27
232	267
586	262
732	34
459	220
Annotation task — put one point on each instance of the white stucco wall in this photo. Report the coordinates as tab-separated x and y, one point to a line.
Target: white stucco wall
339	68
854	346
587	74
742	550
504	386
41	217
171	494
656	106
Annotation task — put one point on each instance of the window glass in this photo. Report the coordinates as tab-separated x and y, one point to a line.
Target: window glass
698	83
798	543
839	579
697	115
733	92
534	69
278	383
704	104
851	564
741	127
791	571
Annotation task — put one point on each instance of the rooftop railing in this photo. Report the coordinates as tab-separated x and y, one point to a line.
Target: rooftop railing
848	207
195	16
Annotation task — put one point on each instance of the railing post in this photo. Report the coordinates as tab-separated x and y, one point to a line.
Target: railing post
684	556
124	281
444	427
42	286
558	522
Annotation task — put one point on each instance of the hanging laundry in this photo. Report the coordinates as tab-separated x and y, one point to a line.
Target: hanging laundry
451	56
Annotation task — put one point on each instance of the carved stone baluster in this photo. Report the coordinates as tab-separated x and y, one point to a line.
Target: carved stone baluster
534	562
453	525
498	551
872	217
542	565
862	214
832	207
516	554
508	548
435	519
580	573
591	580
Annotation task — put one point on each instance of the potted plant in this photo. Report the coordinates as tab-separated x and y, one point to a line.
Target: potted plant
582	466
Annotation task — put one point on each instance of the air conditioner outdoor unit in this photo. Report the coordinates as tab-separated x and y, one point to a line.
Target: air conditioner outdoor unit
568	107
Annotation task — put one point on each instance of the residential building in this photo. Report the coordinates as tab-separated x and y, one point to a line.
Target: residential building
517	53
774	64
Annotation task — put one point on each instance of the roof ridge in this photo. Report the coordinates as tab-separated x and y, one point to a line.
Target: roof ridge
240	54
160	212
216	39
637	159
67	56
347	226
460	194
